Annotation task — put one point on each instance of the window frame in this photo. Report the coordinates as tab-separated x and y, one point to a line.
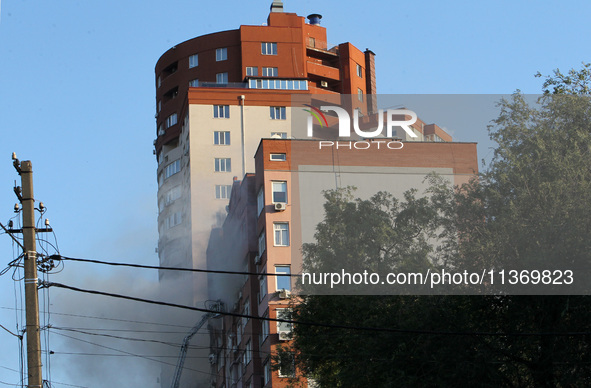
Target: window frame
193	61
221	138
283	190
253	70
221	111
282	135
222	164
281	234
359	71
262	288
223	76
223	191
270	72
278	278
269	48
278	157
172	169
281	326
260	201
278	112
221	54
262	243
172	120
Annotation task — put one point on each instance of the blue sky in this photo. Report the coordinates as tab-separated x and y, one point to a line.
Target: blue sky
77	99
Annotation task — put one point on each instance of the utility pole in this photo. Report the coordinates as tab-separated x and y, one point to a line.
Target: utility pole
25	170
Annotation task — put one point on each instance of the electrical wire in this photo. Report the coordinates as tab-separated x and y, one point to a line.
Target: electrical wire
319	324
59	257
16	335
172	344
131	354
110	319
123	355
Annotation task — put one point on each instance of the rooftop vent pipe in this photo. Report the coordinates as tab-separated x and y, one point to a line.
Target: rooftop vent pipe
277	6
314	19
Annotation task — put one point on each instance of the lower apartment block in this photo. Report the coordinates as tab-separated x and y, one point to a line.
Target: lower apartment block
270	215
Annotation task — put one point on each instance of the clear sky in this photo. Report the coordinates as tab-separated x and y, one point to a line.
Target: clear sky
77	98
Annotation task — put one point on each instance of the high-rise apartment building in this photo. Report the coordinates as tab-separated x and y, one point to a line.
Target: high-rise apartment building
217	95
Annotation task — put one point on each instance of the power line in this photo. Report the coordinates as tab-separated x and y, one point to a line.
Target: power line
130	354
121	355
16	335
107	319
172	344
60	257
326	325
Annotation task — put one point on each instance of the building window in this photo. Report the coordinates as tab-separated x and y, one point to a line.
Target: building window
245	311
221	54
173	220
221	111
161	131
159	81
193	61
260	201
286	365
279	192
223	165
283	84
279	135
283	282
277	112
263	288
262	243
267	371
252	71
172	195
284	328
360	71
172	169
223	191
270	72
194	83
269	48
159	107
171	120
360	94
221	137
221	78
264	328
247	351
281	234
278	157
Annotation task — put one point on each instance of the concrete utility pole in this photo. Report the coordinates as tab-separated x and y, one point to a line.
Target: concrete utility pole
31	295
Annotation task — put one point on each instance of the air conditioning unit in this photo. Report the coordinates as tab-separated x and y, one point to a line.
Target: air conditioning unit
284	336
284	294
212	358
324	84
280	206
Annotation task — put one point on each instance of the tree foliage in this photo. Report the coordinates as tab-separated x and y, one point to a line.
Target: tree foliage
531	208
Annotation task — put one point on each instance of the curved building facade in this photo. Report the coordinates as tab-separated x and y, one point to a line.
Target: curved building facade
217	96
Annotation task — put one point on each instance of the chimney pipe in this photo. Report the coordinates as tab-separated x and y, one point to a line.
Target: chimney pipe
314	19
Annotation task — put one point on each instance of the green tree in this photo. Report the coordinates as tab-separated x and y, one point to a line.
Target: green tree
530	209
